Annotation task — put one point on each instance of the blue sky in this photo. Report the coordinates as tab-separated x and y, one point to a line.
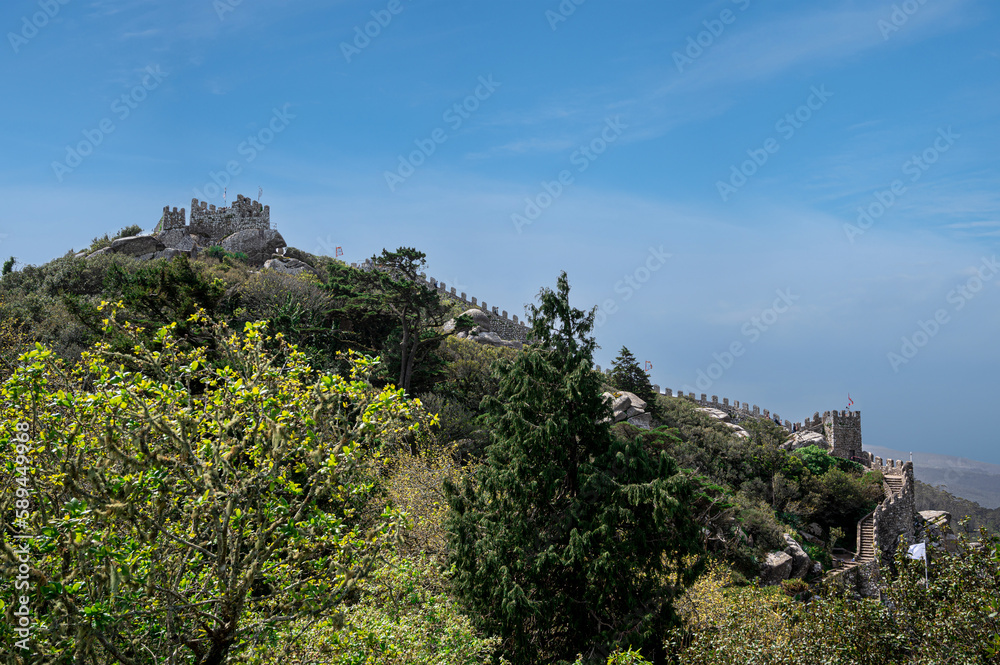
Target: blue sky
699	170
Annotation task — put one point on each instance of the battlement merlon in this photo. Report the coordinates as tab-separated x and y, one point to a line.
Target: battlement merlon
173	219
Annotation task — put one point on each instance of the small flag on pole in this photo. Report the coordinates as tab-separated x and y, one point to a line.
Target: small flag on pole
850	402
340	251
260	193
224	191
918	552
649	366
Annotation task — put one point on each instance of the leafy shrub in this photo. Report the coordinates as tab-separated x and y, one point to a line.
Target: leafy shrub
128	231
795	588
819	554
216	252
953	618
403	614
240	490
471	374
101	242
457	427
415	486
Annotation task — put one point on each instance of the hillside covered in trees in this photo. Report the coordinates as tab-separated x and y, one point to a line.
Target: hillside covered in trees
218	463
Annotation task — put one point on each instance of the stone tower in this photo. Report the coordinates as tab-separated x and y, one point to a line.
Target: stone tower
843	433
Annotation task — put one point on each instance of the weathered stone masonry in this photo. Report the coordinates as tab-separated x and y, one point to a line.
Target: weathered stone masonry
208	220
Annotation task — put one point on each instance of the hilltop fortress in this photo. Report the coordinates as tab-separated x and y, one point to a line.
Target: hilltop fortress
242	229
207	220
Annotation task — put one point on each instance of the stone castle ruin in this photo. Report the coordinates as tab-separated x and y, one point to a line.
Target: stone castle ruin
207	220
242	229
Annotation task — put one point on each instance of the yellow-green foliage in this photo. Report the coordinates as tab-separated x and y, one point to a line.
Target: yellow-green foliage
182	507
403	615
712	602
415	486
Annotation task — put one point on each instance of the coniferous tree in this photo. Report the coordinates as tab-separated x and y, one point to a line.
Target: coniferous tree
569	540
626	374
395	285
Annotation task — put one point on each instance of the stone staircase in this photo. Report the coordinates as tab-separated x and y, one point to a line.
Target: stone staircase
867	552
866	544
892	484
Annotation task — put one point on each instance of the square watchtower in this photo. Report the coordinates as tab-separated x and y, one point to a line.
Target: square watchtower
843	433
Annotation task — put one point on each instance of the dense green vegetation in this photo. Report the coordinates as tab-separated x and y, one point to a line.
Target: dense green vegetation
234	465
935	498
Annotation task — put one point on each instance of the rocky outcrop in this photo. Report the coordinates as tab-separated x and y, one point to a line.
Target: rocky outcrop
804	439
801	563
724	418
629	407
137	245
776	568
481	332
290	266
717	414
258	244
102	251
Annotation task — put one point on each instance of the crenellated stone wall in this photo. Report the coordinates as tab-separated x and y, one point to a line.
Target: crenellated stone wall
207	220
507	327
215	222
737	410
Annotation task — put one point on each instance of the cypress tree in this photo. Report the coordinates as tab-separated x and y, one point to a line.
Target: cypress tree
569	540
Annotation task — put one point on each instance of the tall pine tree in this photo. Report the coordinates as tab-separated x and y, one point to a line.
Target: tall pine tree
569	540
626	374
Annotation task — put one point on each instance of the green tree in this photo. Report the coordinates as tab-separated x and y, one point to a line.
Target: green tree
8	265
418	310
626	374
185	510
569	540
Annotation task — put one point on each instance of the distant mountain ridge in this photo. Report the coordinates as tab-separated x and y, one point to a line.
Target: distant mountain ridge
962	477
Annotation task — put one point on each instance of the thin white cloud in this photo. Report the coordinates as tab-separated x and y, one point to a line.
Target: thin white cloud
769	48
